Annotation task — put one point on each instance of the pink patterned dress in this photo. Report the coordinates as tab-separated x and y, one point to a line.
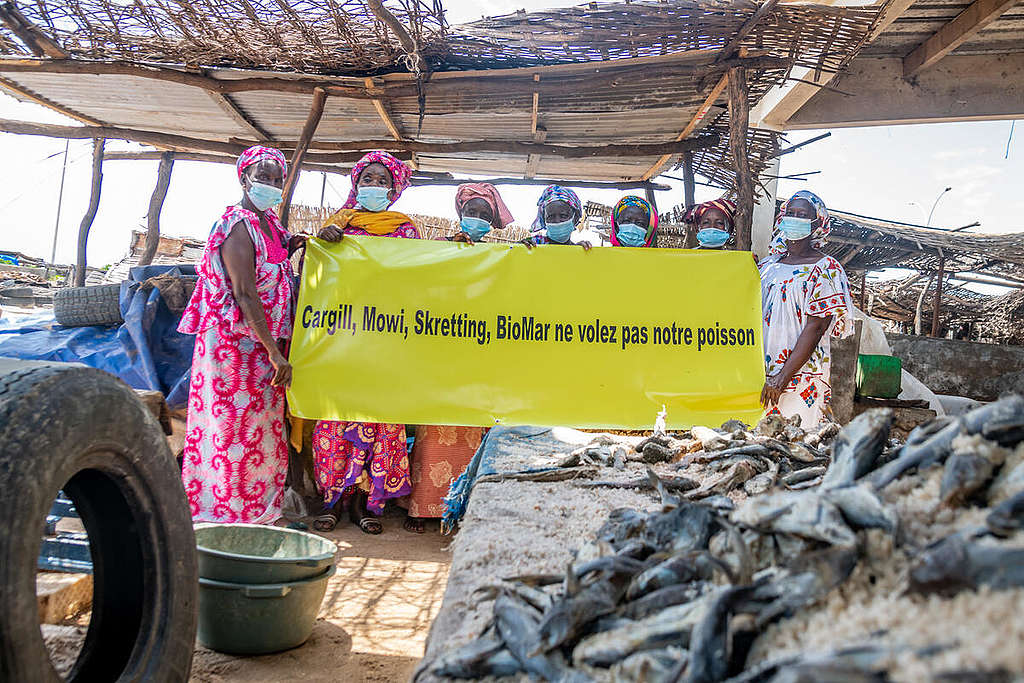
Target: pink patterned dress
789	294
368	455
236	453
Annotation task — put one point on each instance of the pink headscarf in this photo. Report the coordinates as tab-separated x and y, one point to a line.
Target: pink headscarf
258	153
399	175
487	192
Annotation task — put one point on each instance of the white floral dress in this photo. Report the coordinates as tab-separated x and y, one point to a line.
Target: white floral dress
790	293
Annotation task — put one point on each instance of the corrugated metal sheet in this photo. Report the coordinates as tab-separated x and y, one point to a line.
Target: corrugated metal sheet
924	18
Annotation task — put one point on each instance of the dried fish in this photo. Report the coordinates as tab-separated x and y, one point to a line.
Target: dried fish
857	448
517	626
960	562
651	666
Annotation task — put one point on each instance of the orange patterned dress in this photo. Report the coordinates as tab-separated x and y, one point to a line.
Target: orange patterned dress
439	455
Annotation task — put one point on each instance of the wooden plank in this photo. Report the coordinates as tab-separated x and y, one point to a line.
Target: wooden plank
29	33
739	123
963	27
937	306
316	112
231	108
538	132
29	95
90	213
709	102
382	112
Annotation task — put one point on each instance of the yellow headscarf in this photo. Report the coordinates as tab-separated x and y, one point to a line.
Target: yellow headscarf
373	222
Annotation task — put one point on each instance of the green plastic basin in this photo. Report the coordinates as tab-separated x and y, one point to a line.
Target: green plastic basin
879	376
253	553
257	619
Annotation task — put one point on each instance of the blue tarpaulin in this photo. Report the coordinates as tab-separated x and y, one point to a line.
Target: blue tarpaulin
146	350
506	450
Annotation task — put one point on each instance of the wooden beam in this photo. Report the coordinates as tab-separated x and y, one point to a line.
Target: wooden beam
247	124
510	147
29	33
709	102
963	27
597	184
353	151
29	95
690	239
538	132
316	112
90	213
977	279
760	13
385	117
210	158
156	205
919	310
490	84
406	40
739	122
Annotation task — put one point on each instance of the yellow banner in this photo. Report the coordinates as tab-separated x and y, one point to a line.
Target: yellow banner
431	332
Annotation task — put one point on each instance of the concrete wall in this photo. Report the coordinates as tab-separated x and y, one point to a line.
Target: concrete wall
978	371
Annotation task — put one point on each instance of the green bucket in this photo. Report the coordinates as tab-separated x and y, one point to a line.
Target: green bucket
254	553
879	376
257	619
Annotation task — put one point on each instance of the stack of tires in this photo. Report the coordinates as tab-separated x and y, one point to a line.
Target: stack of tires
260	587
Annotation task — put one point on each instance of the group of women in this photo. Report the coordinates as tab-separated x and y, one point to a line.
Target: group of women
236	451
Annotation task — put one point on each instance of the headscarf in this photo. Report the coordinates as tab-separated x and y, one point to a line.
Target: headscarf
556	193
379	222
819	229
258	153
633	200
400	174
726	206
487	192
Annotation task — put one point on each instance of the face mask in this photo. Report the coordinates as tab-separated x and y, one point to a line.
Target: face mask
263	196
373	198
476	228
794	229
632	235
712	238
559	232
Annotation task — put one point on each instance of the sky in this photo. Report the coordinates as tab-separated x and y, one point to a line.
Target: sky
890	172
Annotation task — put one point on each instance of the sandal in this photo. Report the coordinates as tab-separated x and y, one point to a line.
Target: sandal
326	522
414	525
359	516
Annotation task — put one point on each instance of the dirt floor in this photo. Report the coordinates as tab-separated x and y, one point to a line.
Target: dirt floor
373	621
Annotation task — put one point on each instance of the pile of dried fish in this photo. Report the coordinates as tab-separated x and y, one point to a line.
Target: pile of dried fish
683	593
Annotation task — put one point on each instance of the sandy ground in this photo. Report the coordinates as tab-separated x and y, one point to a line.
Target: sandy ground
372	625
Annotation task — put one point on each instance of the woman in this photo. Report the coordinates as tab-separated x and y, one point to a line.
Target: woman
241	311
479	207
805	299
634	222
440	453
364	464
714	222
559	211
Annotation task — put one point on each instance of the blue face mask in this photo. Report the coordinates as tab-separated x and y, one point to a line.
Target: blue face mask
263	196
559	232
373	198
794	228
712	238
632	235
476	228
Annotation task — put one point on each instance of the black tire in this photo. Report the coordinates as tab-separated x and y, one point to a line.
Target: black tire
81	430
84	306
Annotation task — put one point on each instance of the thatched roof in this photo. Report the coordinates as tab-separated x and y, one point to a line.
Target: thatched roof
232	72
864	243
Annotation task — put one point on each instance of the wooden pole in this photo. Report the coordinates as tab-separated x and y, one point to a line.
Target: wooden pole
863	288
649	195
316	111
690	241
739	122
156	205
920	306
94	204
936	307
